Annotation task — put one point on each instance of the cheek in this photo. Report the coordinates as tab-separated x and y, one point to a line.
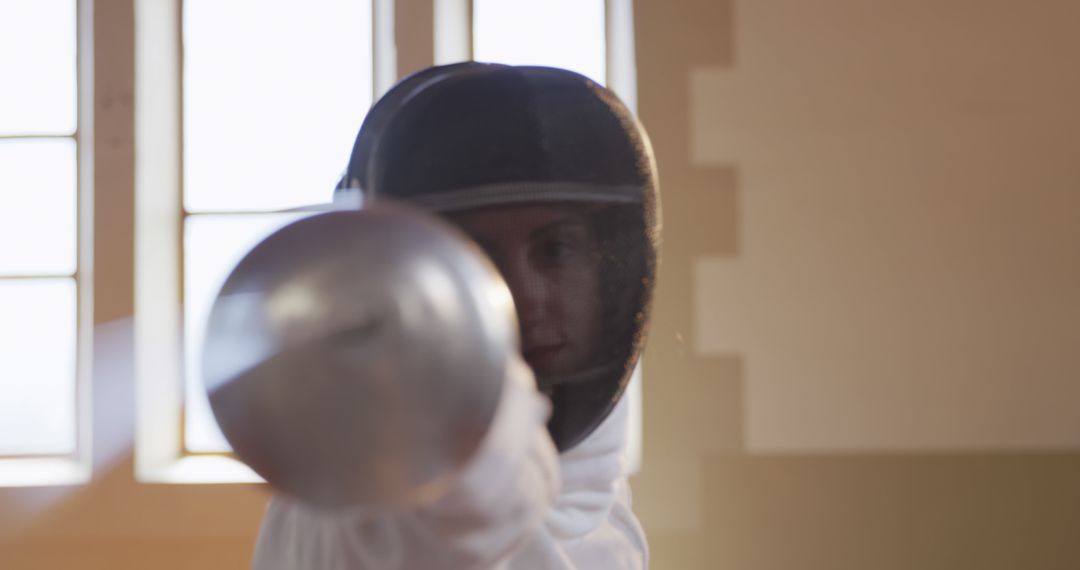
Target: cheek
579	302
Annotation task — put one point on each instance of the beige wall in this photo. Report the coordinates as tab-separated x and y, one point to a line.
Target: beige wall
861	354
864	350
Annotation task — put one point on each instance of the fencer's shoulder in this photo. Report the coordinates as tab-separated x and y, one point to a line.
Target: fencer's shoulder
593	475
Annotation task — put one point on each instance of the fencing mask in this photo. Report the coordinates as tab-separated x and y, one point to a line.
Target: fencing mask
555	180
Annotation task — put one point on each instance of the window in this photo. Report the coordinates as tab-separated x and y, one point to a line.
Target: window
43	316
258	138
557	33
272	94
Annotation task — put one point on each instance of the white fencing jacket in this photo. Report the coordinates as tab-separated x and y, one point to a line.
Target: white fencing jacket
517	505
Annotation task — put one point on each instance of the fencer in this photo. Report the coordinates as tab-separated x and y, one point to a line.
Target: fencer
554	180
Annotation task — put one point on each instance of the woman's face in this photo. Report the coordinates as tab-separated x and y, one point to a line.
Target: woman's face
550	260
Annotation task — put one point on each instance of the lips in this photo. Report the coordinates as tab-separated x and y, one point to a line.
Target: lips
541	346
536	355
542	353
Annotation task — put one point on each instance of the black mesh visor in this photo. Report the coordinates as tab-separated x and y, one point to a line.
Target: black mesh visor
553	179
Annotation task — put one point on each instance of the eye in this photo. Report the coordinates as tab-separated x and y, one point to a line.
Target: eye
553	251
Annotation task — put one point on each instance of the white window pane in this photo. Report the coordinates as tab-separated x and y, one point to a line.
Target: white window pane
213	245
557	33
37	64
37	349
37	206
274	92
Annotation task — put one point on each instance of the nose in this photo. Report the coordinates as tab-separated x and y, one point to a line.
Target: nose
529	289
